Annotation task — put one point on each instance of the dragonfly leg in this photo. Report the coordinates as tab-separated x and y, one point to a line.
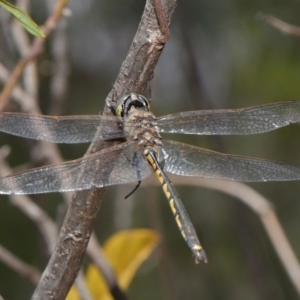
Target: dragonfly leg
181	216
135	163
136	187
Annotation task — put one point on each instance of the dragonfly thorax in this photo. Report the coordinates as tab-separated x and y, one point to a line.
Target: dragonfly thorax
141	127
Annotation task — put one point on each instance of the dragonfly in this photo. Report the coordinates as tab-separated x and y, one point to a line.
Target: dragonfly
142	151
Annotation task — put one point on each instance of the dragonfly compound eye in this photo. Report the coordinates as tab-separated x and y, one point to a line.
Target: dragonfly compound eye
126	103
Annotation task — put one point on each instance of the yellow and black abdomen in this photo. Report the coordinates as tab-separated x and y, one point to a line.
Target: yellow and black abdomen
182	219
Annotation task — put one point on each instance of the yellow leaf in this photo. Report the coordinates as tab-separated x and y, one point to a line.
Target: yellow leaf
23	18
73	294
96	284
125	251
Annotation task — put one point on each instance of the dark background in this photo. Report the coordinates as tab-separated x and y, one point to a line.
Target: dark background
219	56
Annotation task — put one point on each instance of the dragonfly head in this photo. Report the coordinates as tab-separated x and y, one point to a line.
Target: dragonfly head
132	101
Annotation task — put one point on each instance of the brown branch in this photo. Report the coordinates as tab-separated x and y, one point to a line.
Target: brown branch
35	50
134	75
161	20
26	103
281	25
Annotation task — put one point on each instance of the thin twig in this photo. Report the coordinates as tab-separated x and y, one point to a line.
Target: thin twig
35	50
279	24
22	268
21	39
25	102
30	209
82	287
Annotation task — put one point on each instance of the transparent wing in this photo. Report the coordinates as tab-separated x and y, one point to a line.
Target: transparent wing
65	129
187	160
249	120
115	165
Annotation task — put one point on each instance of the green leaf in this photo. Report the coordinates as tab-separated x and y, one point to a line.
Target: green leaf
23	18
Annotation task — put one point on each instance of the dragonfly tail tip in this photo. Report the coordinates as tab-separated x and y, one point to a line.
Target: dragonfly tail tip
200	255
